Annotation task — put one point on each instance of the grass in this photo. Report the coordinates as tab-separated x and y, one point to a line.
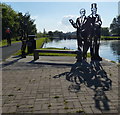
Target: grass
4	42
40	42
113	61
57	54
110	37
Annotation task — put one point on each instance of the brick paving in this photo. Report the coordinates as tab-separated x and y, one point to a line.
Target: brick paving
59	85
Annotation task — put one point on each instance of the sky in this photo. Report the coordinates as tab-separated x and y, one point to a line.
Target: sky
53	16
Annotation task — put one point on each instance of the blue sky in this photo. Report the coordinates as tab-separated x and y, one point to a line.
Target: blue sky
55	15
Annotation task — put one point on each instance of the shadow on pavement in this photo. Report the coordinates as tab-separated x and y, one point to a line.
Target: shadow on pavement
50	63
10	63
91	75
4	46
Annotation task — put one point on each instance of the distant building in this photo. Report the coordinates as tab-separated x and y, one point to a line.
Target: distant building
119	8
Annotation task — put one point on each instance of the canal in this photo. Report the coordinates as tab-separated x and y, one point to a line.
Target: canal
109	49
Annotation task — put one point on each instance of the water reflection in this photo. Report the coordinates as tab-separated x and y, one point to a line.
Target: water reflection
109	49
115	46
69	44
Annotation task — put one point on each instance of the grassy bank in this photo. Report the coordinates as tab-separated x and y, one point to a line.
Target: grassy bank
4	42
39	43
54	54
58	54
110	37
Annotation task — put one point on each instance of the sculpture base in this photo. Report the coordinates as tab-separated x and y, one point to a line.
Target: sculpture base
79	56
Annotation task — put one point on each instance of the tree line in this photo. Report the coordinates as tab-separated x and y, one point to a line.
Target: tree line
16	21
113	30
115	26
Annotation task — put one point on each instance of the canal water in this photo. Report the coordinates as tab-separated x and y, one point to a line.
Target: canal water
109	49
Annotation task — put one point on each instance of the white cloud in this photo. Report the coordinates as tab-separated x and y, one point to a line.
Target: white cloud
64	25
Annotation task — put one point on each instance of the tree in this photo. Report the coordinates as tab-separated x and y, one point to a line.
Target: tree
105	31
58	34
50	33
39	34
115	26
16	21
8	20
26	24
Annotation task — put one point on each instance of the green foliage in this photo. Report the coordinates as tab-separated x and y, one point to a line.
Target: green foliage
39	43
26	24
8	19
105	31
110	37
113	61
50	33
39	35
56	34
15	21
56	54
115	26
4	42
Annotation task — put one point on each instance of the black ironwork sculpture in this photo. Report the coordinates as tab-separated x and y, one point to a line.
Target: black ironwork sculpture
96	23
88	33
80	27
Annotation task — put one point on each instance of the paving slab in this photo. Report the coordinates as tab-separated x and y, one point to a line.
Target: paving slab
59	84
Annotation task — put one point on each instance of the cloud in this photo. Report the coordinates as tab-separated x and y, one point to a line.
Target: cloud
65	19
64	24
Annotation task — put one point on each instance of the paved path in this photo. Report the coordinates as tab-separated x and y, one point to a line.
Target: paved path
7	51
59	85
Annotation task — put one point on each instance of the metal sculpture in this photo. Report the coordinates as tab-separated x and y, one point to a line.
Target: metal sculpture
88	33
96	33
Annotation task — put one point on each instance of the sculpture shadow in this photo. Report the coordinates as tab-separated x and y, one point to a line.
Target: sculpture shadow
91	75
